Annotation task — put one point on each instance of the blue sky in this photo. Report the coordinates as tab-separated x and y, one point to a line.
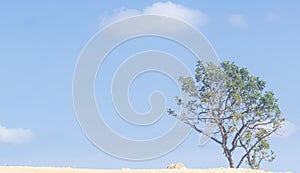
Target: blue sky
40	45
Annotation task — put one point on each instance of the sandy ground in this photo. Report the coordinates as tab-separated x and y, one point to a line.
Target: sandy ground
12	169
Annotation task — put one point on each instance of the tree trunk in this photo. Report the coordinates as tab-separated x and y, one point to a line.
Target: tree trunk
230	160
227	152
228	155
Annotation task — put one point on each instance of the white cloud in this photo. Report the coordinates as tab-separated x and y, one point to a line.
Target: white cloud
169	9
288	129
237	20
194	17
271	17
118	15
14	135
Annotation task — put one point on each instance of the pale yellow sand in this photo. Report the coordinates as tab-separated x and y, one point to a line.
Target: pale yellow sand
12	169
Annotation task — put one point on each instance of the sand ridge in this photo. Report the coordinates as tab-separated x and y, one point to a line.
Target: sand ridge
22	169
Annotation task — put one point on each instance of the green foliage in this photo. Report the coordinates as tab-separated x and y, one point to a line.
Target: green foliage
236	102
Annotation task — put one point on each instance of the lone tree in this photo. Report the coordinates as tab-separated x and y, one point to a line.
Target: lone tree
244	114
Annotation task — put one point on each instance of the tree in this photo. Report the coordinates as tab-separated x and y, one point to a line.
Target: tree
245	115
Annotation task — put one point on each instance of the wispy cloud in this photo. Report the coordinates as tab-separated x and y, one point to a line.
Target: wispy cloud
169	9
14	135
237	20
288	129
194	17
118	15
271	17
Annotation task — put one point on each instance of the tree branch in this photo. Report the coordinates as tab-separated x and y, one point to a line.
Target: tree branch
248	152
201	131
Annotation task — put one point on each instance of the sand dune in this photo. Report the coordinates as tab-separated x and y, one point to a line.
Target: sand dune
13	169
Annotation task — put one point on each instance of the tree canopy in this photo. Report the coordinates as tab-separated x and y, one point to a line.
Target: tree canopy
244	114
